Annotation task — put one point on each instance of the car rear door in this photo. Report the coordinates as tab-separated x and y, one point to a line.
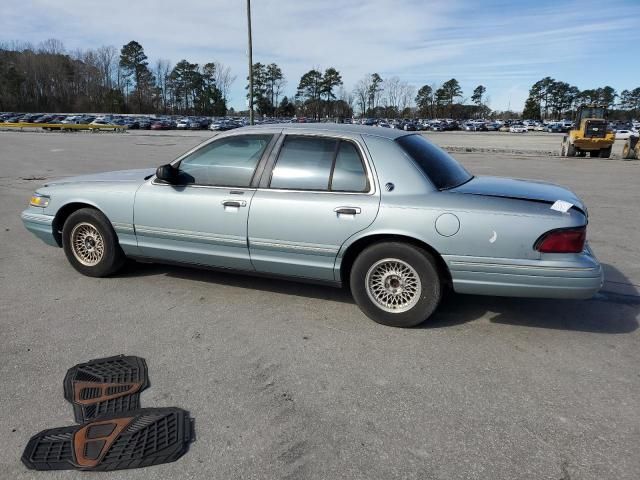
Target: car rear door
203	218
316	192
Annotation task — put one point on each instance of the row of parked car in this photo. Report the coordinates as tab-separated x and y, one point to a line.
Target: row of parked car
129	121
622	130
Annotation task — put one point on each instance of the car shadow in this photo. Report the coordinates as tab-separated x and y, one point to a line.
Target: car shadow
608	312
234	279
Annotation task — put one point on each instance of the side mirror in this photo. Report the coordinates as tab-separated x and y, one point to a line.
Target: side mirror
167	173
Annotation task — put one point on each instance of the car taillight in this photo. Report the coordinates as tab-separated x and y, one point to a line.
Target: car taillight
566	240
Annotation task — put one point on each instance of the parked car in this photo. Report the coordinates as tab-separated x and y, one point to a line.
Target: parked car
337	204
518	128
183	124
160	125
556	128
101	122
71	119
625	134
222	126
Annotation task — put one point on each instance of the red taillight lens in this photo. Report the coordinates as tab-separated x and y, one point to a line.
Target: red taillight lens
568	240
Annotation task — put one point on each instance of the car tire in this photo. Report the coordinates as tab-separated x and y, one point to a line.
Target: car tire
396	284
605	152
91	244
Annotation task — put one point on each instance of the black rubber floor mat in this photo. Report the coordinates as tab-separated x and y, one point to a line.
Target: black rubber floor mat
141	438
105	386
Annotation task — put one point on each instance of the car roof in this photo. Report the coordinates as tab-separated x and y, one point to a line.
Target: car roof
339	128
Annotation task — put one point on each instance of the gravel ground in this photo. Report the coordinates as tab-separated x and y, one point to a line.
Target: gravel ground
292	381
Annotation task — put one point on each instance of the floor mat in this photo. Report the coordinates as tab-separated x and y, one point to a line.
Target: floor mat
135	439
105	386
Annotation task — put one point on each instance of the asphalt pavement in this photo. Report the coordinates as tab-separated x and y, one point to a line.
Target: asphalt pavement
289	380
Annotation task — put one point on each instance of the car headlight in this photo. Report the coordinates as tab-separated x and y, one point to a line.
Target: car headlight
39	200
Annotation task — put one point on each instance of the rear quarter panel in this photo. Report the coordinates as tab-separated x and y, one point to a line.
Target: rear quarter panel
488	226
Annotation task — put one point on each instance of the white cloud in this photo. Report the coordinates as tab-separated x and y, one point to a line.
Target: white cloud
505	46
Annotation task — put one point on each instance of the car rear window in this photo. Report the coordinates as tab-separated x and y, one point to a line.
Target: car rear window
440	167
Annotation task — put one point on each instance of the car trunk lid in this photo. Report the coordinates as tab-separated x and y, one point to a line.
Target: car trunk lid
519	189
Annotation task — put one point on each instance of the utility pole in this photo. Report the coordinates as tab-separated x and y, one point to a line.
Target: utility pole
250	63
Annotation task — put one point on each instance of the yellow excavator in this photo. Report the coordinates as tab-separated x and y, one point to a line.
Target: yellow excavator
590	133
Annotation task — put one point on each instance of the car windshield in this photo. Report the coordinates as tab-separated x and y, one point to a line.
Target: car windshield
440	167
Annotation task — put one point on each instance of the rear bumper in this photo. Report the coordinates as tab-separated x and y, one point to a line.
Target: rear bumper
571	277
593	143
40	225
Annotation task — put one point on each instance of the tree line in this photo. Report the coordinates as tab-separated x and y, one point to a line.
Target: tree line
47	78
321	94
550	98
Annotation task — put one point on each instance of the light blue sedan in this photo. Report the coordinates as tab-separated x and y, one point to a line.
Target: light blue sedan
380	210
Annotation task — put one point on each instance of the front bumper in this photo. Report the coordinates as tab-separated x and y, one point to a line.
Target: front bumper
40	225
571	276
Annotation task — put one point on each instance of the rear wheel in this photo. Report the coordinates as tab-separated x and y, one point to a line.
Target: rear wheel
90	243
396	284
605	152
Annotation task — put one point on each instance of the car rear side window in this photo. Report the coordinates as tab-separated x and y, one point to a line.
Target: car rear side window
304	163
228	162
440	167
319	164
348	173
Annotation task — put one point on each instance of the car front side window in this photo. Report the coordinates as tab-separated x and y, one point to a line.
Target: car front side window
228	162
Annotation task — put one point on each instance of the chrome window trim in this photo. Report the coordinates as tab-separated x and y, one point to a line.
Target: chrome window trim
236	189
363	155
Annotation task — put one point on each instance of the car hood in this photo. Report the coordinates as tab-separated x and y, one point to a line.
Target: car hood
519	189
137	175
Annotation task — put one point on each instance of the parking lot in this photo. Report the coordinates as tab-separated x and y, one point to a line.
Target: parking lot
289	380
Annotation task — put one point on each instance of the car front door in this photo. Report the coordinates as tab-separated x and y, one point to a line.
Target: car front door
201	218
316	192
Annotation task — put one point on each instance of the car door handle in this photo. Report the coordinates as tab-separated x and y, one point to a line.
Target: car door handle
234	203
347	210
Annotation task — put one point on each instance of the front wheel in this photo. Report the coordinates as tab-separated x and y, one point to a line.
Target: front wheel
605	152
396	284
90	243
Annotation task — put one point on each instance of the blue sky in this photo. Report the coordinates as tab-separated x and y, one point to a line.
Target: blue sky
504	45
